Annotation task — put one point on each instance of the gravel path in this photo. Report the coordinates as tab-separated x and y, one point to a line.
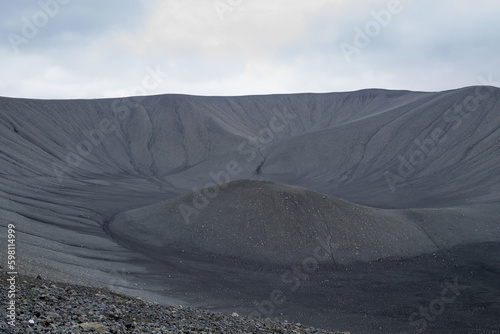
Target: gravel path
47	307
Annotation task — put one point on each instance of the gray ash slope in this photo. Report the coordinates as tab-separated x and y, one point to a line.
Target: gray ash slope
68	167
259	221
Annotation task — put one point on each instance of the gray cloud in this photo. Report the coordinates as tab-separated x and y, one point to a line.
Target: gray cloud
102	49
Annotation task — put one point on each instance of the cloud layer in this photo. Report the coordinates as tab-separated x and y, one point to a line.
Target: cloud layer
92	49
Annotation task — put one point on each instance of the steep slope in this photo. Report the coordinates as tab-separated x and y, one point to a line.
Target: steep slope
443	152
379	148
161	135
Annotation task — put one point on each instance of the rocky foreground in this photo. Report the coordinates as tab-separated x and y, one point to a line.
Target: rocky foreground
47	307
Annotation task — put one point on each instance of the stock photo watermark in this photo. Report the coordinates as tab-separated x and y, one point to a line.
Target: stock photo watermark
425	147
121	109
48	9
249	148
222	7
372	29
11	275
426	314
294	278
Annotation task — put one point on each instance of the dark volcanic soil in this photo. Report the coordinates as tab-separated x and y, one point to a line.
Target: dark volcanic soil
49	307
360	211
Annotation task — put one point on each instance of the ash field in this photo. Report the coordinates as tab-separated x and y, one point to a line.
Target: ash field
373	211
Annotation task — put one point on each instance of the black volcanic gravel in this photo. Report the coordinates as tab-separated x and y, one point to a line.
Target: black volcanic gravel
48	307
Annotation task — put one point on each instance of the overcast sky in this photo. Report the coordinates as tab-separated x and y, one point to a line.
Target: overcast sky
114	48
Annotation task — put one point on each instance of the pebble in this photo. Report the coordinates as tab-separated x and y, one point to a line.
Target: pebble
45	307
